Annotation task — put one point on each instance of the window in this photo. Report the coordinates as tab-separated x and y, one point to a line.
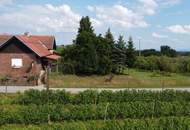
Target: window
16	63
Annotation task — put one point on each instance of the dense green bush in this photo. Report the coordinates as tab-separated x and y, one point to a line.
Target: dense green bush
184	65
43	97
163	63
36	114
94	97
7	98
68	68
86	97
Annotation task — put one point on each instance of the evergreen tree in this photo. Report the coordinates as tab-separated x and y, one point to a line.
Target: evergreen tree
86	57
121	43
120	49
168	51
109	37
113	56
130	53
103	51
85	25
68	62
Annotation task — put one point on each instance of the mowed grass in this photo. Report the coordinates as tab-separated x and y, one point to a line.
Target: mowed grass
135	79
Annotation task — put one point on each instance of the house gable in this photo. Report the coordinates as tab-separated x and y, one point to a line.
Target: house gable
48	41
30	44
14	45
14	50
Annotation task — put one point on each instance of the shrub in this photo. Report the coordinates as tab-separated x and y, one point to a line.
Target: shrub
141	63
163	63
42	97
86	97
94	97
68	68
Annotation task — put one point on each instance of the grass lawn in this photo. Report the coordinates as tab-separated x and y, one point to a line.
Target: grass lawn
135	79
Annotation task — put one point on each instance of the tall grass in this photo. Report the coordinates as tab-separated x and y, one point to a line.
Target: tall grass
135	79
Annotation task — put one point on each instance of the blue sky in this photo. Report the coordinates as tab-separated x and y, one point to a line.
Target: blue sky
155	22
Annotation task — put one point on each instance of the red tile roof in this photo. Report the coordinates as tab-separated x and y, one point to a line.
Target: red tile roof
48	41
53	57
34	44
4	38
41	45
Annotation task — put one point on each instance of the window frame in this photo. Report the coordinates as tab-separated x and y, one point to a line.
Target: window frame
16	63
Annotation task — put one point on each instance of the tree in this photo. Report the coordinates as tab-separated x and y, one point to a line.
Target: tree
130	53
150	52
103	51
85	25
167	51
119	54
86	57
121	44
109	37
67	62
113	50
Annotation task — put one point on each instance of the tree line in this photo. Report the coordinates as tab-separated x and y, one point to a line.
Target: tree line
96	54
102	54
163	63
164	50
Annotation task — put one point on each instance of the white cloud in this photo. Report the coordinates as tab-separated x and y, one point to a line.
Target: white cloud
90	8
148	7
156	35
118	15
121	16
5	2
41	18
169	2
96	23
180	29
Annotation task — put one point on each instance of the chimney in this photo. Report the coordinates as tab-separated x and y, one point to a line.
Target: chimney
27	34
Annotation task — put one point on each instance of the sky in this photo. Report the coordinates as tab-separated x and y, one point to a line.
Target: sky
152	22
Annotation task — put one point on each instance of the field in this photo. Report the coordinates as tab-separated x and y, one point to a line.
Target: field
92	110
135	79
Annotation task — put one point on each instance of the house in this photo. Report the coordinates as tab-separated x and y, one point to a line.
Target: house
25	57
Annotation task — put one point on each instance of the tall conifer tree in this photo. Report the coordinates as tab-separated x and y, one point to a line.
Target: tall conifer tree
86	58
121	56
130	53
113	56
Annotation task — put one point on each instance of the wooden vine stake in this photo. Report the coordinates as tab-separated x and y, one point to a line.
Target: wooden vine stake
106	110
47	89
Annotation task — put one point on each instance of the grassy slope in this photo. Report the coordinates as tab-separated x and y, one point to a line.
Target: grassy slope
136	79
